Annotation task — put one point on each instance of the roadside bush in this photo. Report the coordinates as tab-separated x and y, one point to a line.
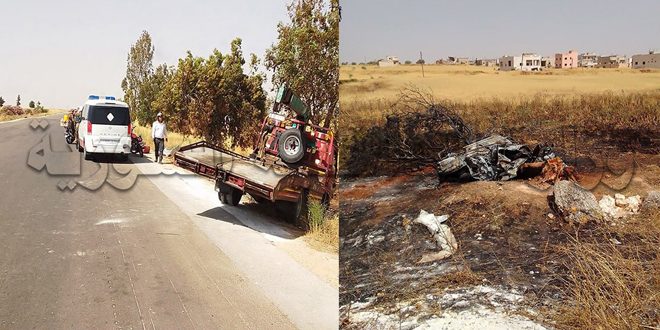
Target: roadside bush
12	110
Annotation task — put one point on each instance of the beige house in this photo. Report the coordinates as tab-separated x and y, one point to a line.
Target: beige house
587	60
646	61
486	62
613	61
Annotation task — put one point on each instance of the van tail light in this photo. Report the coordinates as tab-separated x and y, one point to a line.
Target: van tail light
130	129
89	127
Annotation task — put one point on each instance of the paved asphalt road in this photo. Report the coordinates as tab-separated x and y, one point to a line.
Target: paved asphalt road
109	258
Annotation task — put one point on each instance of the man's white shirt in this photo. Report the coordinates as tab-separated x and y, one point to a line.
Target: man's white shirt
158	130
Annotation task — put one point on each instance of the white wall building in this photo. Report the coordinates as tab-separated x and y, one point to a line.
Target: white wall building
526	62
389	61
646	61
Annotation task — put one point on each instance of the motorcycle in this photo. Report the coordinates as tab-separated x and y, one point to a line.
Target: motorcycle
70	130
137	145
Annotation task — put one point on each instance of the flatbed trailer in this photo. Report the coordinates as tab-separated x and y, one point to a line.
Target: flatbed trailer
288	187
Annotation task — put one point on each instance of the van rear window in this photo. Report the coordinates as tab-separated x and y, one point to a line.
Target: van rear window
105	115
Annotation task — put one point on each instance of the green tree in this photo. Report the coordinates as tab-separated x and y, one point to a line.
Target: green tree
31	104
213	97
18	100
138	92
2	101
306	55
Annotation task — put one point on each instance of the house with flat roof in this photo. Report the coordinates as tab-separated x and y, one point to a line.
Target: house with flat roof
587	60
486	62
525	62
646	61
613	61
389	61
566	60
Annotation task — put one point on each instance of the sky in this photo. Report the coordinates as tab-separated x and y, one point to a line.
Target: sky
59	52
373	29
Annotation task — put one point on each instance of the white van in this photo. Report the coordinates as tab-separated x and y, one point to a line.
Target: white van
105	127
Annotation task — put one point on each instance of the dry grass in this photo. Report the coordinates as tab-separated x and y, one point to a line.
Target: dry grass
6	117
611	285
174	140
324	228
627	117
469	83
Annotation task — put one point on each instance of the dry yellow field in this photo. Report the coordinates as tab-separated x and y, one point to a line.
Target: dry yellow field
469	82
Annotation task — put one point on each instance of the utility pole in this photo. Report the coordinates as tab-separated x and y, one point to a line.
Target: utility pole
421	60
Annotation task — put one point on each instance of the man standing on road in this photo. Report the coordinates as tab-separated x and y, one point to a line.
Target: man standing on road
159	134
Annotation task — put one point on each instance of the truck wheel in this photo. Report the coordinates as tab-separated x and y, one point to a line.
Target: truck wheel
233	197
290	146
300	212
222	197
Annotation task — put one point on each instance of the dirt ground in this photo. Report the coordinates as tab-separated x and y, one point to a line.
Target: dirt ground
509	241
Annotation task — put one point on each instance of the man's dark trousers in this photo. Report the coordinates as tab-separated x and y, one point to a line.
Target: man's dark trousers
160	146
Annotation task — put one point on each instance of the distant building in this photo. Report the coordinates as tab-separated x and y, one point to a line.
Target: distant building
646	61
526	62
613	61
566	60
486	62
510	63
389	61
587	60
547	62
531	62
457	60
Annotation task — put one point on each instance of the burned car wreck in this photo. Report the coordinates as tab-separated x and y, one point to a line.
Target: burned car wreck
491	158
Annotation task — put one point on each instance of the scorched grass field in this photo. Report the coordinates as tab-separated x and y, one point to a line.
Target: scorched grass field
600	276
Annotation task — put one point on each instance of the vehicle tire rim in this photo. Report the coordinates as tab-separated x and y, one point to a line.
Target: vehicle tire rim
292	145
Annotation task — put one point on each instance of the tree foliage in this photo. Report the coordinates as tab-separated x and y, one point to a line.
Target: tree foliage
136	85
208	97
18	100
2	101
306	56
31	104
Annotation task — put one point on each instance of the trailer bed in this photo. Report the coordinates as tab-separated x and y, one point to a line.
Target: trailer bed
206	159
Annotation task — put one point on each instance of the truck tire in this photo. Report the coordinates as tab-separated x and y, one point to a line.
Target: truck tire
290	146
300	212
222	197
232	198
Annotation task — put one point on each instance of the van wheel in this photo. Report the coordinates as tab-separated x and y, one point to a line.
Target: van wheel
290	146
300	213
